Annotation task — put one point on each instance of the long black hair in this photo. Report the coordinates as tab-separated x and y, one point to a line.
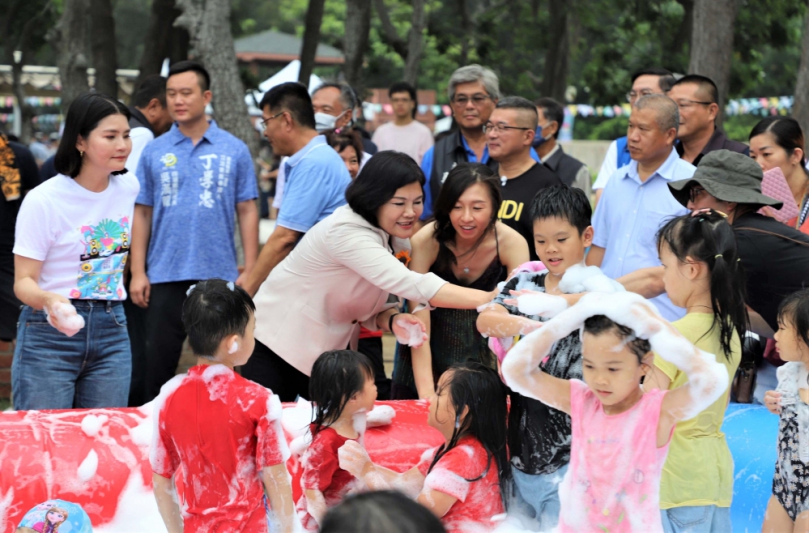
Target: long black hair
478	387
382	511
707	237
794	309
337	375
459	179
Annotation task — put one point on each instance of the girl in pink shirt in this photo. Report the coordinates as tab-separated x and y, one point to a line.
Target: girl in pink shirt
620	435
464	480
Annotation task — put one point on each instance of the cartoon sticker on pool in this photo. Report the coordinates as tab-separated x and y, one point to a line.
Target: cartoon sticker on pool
106	247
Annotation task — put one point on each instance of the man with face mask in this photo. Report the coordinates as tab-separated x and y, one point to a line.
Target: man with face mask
571	171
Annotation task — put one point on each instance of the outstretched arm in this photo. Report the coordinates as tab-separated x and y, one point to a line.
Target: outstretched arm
355	460
521	366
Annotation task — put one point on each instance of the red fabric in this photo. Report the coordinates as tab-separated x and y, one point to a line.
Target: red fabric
220	432
366	333
321	471
479	500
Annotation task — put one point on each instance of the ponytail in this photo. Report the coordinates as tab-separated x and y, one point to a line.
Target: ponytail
708	238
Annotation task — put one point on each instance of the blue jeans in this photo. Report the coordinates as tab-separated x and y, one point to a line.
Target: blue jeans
91	369
696	519
537	495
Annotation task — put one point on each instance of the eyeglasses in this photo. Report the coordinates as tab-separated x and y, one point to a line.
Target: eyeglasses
685	103
477	99
266	120
490	127
695	192
632	95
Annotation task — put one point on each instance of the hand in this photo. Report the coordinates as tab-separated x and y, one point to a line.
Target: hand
772	401
406	328
516	294
140	289
538	303
354	459
244	275
51	299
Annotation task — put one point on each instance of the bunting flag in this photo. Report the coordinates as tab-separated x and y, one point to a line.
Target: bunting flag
774	105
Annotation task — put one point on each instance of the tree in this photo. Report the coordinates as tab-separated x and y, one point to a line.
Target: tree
355	42
411	49
102	41
712	43
23	28
800	107
554	81
70	40
208	25
311	38
164	40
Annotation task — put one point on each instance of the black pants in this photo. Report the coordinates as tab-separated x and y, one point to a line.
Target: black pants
165	334
136	327
372	349
268	369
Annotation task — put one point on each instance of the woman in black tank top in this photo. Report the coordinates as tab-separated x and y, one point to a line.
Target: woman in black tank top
465	245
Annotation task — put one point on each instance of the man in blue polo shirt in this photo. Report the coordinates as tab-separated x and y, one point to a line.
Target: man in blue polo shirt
193	180
316	181
637	200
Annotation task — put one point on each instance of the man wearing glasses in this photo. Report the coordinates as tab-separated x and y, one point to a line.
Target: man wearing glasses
697	98
510	133
316	177
646	81
473	92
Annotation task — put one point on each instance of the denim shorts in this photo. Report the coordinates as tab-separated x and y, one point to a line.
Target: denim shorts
537	496
91	369
696	519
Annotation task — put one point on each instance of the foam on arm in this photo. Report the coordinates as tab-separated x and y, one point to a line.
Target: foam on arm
279	493
164	493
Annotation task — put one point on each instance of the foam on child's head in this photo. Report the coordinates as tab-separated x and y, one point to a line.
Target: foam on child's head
601	324
213	310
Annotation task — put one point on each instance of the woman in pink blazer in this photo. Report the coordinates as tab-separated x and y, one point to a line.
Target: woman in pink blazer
348	272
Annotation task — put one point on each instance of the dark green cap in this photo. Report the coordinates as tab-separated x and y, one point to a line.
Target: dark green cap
727	176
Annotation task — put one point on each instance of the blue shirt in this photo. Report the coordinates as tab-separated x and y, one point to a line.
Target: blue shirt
194	191
316	182
629	215
471	156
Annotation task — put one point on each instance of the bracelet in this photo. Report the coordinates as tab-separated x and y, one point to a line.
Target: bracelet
390	321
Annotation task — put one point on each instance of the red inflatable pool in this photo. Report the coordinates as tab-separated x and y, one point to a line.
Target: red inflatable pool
99	459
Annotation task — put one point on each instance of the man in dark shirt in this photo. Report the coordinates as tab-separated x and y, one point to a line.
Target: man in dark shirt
510	132
18	175
697	98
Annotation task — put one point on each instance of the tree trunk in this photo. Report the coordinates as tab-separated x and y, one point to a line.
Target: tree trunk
466	28
415	43
70	41
389	35
160	42
311	38
208	25
26	111
105	58
355	42
800	107
712	44
554	82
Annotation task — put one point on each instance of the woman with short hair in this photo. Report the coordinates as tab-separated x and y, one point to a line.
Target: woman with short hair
341	276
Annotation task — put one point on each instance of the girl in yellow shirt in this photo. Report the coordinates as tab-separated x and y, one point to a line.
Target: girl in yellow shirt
702	274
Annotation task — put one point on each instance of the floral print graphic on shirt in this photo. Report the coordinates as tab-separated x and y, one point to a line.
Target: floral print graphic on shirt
101	267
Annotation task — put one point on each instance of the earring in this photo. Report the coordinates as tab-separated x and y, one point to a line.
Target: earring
81	153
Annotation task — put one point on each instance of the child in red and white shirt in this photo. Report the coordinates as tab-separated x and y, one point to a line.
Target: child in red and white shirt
342	390
464	480
222	430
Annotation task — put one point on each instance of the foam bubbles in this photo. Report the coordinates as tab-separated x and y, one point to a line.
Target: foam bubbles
87	468
381	415
413	336
91	424
70	322
580	278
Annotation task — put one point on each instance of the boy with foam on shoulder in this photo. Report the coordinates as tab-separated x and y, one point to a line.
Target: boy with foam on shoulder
223	430
539	436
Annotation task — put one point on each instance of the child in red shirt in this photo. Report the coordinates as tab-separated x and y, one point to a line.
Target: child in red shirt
221	429
463	481
342	390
